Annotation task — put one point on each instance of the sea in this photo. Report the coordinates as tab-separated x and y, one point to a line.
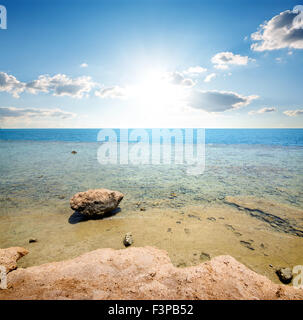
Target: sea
247	201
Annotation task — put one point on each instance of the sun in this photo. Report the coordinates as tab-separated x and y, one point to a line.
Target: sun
156	91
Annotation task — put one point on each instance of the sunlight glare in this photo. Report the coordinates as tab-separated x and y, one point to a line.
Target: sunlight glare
156	91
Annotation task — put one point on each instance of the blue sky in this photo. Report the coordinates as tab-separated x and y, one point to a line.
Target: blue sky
151	64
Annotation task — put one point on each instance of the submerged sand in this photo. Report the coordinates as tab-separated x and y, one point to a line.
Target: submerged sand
260	234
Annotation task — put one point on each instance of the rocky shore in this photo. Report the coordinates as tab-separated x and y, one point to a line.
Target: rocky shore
137	273
10	256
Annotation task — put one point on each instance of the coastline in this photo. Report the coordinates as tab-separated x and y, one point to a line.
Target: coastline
190	235
142	273
247	204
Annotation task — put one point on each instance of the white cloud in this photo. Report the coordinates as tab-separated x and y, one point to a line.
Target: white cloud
293	113
12	112
83	65
284	30
188	83
58	85
209	77
111	92
162	84
61	85
10	84
218	101
221	66
178	78
263	110
222	60
195	70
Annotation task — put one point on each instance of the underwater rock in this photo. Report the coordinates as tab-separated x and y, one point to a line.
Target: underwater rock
74	152
281	217
96	202
284	274
10	256
31	240
128	239
172	195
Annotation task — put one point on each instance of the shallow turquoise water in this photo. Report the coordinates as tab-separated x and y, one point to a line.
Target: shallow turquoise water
37	179
38	174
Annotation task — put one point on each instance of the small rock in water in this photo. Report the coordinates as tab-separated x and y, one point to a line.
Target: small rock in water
74	152
142	209
172	195
31	240
284	274
128	240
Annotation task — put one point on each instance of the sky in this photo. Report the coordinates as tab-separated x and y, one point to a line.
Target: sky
135	64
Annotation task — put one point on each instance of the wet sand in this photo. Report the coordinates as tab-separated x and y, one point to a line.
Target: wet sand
190	234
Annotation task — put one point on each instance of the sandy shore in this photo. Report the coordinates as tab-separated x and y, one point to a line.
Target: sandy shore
190	235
